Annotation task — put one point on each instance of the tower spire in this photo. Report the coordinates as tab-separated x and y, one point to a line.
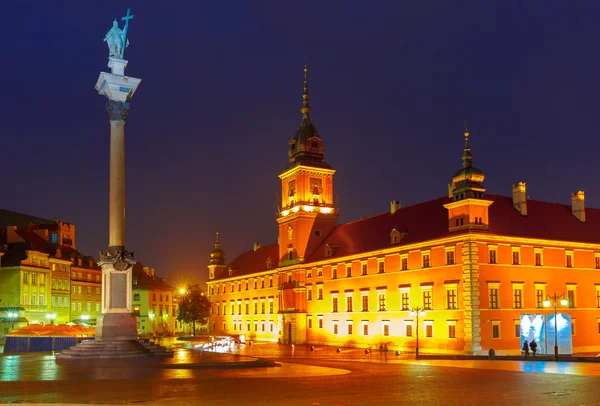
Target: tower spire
467	158
217	243
305	107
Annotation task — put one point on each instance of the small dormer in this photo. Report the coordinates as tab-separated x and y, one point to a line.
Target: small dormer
328	250
269	263
395	236
58	253
230	271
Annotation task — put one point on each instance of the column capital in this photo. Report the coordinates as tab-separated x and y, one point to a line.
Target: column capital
117	111
118	258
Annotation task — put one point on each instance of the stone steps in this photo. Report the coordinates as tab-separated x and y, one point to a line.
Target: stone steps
114	349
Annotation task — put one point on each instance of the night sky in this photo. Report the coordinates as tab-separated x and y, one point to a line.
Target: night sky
390	86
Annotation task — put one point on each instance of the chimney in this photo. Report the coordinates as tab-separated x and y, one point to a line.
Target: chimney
577	206
256	246
394	206
519	193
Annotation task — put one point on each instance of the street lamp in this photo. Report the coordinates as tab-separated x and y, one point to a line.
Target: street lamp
12	317
547	303
51	317
417	311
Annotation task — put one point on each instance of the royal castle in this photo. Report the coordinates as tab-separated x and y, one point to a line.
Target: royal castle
470	263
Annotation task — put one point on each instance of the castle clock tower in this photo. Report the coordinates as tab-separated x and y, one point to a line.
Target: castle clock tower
307	214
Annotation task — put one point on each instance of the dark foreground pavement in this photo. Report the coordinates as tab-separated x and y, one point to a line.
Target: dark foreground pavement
304	378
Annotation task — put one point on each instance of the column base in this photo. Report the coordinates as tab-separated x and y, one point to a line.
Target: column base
116	326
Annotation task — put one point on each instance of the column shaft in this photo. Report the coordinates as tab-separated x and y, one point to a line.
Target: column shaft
116	233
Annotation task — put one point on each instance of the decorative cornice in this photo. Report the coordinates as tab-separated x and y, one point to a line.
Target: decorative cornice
117	111
118	258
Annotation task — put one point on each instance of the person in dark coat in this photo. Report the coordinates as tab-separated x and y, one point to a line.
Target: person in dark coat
525	348
533	346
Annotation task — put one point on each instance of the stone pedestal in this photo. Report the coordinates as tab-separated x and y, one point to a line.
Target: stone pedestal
116	326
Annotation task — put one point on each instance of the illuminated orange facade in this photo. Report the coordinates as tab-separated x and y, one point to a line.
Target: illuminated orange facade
473	261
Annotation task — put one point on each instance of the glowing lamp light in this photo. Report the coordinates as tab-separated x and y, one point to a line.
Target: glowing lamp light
182	291
308	208
85	317
151	315
295	209
285	213
564	302
325	210
413	313
422	313
546	303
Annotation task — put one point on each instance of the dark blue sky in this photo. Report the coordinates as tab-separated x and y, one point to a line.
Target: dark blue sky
390	86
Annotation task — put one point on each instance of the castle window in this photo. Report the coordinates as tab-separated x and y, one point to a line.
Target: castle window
290	255
538	257
404	261
492	253
381	266
569	258
314	144
317	233
327	251
450	256
268	263
348	271
425	260
364	268
515	256
493	295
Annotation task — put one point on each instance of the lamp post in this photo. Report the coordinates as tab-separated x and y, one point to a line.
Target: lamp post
12	317
417	311
553	300
51	317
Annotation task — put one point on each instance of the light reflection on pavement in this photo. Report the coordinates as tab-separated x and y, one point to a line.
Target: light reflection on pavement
184	365
287	370
548	367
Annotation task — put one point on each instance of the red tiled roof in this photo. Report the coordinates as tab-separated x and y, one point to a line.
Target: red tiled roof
429	220
552	221
15	252
145	281
420	222
255	261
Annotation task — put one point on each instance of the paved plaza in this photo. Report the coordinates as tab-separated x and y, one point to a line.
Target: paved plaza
300	377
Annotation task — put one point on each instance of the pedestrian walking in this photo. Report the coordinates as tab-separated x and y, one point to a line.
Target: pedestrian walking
525	348
533	346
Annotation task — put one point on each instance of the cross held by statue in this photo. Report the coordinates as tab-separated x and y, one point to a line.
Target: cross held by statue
127	17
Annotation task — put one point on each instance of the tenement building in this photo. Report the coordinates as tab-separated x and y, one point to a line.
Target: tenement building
470	264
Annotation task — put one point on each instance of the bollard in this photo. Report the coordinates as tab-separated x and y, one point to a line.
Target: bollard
367	351
398	352
312	347
338	350
492	354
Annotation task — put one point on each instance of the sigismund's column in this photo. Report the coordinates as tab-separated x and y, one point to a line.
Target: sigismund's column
117	321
